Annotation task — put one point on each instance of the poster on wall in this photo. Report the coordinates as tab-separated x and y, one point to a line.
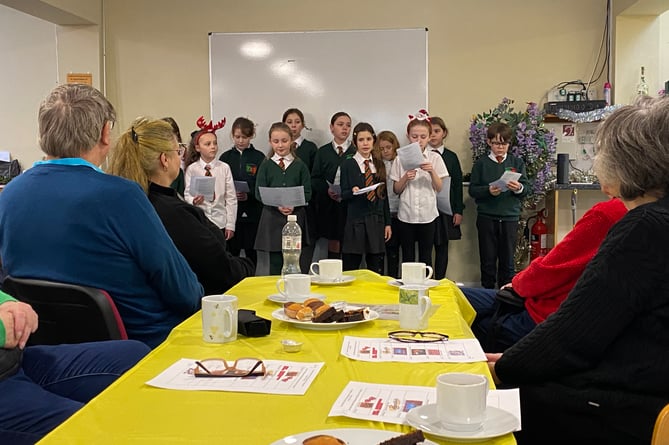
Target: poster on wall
84	78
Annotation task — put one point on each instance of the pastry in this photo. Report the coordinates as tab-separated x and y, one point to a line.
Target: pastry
313	303
323	314
291	309
411	438
323	439
305	313
354	315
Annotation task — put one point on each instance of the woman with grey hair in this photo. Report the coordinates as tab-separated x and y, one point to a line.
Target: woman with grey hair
596	370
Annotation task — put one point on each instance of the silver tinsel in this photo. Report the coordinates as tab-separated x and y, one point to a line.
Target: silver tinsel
588	116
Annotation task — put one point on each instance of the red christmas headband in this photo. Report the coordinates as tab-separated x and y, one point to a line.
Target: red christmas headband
205	127
422	115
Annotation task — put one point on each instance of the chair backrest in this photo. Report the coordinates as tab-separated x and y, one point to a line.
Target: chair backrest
661	431
68	313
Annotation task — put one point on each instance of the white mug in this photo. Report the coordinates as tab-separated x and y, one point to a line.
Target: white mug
219	318
462	400
415	273
415	306
296	286
328	270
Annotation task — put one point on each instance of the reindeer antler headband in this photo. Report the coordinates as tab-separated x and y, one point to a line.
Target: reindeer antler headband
205	127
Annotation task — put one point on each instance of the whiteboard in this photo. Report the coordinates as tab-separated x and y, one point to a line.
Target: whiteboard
376	76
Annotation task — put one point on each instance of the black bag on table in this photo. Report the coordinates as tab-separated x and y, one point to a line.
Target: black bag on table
10	169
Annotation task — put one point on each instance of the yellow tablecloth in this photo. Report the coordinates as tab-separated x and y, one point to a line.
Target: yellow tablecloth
131	412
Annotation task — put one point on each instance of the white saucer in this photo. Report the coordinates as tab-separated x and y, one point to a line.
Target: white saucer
498	422
345	279
278	298
428	283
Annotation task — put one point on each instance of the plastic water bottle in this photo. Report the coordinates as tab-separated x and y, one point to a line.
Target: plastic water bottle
291	246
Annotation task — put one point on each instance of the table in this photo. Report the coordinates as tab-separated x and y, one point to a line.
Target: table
131	412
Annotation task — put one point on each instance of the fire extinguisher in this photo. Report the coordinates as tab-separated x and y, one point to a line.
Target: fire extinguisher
539	238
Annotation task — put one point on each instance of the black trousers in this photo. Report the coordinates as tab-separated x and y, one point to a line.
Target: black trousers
424	234
374	261
245	237
393	250
497	244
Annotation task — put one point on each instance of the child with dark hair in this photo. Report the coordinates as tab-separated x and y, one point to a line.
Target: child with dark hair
367	215
244	161
498	210
331	211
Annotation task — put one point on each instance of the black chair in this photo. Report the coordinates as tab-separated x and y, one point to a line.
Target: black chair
68	313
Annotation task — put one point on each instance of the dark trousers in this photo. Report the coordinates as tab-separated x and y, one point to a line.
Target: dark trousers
393	250
245	237
424	234
497	244
55	381
495	326
374	261
440	259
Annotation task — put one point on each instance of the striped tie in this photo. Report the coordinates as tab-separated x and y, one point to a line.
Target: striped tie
500	159
340	150
369	180
282	164
207	170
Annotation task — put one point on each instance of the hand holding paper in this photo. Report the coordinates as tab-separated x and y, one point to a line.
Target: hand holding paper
410	156
503	180
364	190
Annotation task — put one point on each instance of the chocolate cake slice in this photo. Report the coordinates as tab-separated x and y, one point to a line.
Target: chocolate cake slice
411	438
324	316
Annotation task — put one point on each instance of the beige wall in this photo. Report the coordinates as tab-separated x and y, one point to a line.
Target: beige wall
479	52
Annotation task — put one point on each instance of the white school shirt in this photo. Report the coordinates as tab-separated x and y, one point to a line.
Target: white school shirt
287	160
361	162
418	200
393	198
223	210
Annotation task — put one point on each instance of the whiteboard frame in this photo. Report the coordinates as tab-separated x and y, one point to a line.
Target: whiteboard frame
394	63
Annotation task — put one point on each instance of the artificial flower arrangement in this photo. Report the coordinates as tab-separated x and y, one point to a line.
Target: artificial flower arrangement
532	141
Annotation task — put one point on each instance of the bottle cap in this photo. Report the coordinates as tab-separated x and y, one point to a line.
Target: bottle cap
607	85
292	217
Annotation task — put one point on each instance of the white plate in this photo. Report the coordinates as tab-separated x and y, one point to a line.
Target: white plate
352	436
498	422
278	298
345	279
428	283
279	314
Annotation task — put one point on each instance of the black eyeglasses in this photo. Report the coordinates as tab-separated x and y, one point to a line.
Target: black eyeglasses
498	143
417	336
218	367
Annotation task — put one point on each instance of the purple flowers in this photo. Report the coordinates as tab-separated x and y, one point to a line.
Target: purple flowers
532	142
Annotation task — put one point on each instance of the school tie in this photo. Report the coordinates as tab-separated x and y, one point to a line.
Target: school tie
207	170
282	164
500	159
369	180
340	150
293	146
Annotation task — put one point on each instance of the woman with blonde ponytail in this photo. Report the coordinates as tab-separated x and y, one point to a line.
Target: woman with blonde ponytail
148	153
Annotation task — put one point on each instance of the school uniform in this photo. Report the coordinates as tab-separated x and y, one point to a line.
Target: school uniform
331	215
306	151
222	211
272	221
449	202
393	244
366	219
497	217
418	208
244	166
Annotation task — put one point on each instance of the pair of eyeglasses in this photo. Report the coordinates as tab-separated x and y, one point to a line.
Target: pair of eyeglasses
498	144
181	150
417	336
218	367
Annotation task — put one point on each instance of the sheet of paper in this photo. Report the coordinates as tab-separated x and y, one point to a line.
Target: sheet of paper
334	188
504	179
367	189
390	403
293	378
410	156
242	187
5	156
366	349
444	196
282	196
203	185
